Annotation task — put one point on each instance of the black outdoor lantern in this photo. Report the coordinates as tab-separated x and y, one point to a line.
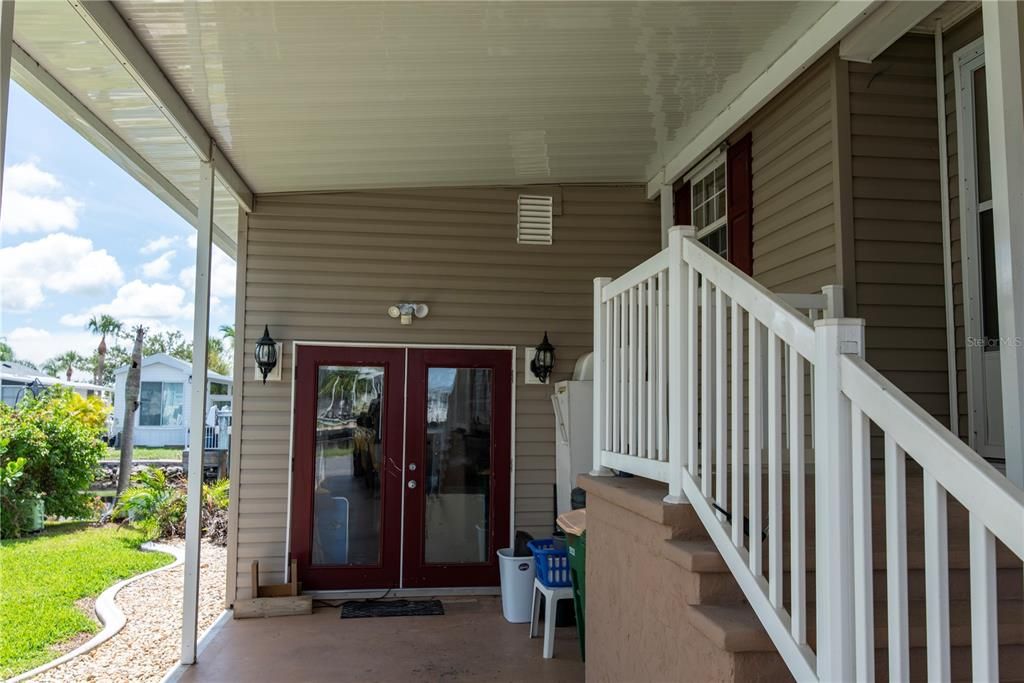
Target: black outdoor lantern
266	353
544	360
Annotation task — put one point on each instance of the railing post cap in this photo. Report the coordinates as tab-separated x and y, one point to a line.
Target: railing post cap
684	230
839	322
602	280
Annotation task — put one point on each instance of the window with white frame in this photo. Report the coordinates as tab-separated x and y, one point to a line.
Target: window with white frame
707	202
161	404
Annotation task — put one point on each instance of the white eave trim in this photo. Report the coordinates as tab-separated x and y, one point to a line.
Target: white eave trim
829	29
110	27
883	28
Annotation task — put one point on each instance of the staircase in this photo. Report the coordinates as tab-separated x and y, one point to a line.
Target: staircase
721	613
888	550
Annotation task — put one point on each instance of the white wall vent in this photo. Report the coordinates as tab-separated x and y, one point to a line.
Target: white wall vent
535	215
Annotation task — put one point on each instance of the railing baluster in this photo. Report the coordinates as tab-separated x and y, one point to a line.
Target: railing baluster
623	399
663	370
652	368
737	425
984	624
602	405
863	556
631	372
721	402
641	359
754	434
936	579
797	498
691	370
705	388
607	389
775	525
616	391
896	560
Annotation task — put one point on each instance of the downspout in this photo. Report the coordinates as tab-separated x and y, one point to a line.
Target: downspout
947	249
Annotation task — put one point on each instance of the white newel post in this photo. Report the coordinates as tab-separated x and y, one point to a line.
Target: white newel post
197	416
833	499
667	202
600	375
678	378
1002	24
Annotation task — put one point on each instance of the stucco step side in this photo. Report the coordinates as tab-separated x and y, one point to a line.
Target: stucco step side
646	498
731	628
704	576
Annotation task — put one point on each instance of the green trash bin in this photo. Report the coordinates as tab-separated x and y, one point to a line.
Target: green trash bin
578	574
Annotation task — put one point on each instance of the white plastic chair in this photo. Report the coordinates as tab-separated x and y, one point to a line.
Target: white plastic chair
552	596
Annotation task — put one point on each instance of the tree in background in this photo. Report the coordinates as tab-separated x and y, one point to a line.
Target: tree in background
171	342
131	404
103	325
228	332
66	363
7	354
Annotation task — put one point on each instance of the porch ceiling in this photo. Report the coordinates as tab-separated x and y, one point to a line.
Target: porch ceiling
340	95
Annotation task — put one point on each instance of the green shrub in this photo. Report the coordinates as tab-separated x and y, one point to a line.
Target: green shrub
152	503
57	435
16	498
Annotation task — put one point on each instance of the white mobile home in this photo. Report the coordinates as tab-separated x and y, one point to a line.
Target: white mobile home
164	400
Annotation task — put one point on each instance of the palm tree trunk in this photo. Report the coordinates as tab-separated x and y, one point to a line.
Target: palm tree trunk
131	404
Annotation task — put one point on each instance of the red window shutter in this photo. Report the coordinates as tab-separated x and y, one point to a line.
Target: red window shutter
740	207
682	205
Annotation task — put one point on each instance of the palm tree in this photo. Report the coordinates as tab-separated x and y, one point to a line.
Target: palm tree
66	361
132	385
103	325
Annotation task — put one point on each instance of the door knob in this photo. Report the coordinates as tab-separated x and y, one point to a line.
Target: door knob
411	484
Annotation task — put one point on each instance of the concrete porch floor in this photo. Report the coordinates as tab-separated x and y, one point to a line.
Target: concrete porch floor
471	642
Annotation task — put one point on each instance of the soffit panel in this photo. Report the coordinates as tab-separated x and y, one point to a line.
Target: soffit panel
307	96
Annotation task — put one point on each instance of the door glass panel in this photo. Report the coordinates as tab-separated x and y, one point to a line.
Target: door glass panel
989	297
349	448
458	465
984	161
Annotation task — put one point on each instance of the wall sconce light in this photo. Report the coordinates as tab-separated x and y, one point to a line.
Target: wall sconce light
266	353
543	360
405	312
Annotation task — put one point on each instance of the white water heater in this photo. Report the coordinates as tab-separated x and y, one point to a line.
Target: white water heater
573	402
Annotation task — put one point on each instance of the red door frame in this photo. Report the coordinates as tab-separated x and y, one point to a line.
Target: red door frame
416	572
308	359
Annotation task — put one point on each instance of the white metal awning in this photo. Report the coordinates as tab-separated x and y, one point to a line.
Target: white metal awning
305	96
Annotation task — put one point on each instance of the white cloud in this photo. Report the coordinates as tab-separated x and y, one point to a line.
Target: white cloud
158	244
29	202
38	345
137	302
60	263
159	267
222	276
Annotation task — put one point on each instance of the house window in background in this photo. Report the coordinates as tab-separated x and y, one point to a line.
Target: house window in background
708	197
162	404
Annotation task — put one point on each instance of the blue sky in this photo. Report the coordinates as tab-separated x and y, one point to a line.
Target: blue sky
79	236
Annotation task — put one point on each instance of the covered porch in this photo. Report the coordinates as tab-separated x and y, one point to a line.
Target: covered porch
471	642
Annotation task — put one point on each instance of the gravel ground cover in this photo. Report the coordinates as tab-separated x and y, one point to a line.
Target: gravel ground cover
149	644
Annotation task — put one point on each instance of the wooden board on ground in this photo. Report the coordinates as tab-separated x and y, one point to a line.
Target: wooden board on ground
275	600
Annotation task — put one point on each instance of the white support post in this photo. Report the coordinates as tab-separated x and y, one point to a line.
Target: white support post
833	301
197	416
678	377
833	499
1003	76
601	365
6	47
668	212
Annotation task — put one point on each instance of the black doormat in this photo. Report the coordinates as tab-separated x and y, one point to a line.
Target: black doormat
358	609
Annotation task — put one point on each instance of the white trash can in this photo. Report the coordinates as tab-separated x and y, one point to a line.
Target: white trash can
517	574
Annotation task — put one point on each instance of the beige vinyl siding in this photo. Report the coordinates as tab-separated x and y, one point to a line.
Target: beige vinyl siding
900	290
792	166
954	39
325	267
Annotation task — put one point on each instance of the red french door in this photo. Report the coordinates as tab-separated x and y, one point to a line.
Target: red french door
458	466
402	466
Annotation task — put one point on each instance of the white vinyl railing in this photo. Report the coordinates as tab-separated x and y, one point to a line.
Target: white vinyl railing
708	381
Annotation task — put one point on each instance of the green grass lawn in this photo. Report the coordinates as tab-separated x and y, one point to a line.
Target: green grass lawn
42	576
147	453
